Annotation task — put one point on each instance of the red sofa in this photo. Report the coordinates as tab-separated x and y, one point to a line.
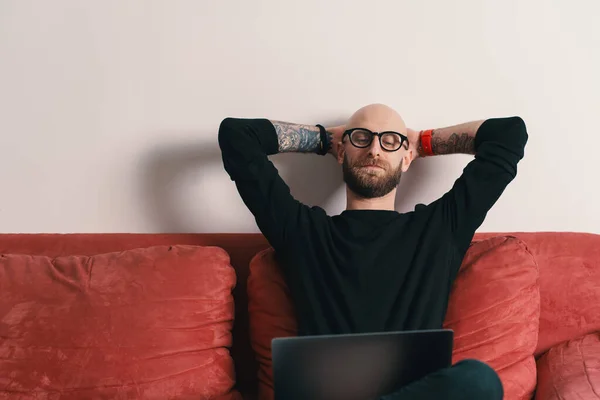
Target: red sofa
568	349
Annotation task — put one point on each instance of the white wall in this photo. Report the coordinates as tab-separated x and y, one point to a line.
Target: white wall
109	109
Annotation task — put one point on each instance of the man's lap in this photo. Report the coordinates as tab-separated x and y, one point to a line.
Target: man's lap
467	379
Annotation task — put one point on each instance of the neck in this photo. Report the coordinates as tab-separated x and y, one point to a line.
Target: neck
355	202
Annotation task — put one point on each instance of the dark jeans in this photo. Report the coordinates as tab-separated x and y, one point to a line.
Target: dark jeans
467	379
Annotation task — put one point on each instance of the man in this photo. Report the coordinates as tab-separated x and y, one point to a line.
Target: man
372	269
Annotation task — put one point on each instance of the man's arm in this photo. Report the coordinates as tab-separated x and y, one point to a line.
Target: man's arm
245	145
498	145
297	138
454	139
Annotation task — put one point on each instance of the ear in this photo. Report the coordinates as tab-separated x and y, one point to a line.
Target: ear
407	160
341	151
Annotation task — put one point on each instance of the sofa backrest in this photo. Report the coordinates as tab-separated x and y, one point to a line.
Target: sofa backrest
569	277
569	265
241	248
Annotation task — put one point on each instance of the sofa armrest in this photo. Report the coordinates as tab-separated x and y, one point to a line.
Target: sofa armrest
570	370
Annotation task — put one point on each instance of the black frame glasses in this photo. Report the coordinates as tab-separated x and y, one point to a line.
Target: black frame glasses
403	138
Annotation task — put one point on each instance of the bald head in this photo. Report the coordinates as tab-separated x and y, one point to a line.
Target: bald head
377	117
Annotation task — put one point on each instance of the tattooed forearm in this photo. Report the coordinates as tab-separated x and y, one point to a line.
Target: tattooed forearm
463	143
455	139
297	138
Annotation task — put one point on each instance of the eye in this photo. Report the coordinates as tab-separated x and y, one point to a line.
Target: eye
360	137
390	140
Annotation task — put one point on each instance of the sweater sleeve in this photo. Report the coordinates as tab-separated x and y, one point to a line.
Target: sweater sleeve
499	146
245	145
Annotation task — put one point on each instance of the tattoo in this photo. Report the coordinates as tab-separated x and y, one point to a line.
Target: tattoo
297	138
455	143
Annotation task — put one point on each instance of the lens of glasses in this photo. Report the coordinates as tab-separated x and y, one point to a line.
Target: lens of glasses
389	141
361	138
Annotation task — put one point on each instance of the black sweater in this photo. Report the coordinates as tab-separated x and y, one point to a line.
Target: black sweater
365	270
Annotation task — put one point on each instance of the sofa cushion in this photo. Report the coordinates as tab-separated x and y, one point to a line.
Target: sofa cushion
493	309
149	323
570	370
271	313
569	264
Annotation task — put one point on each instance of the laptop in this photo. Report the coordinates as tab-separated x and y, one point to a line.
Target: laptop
356	366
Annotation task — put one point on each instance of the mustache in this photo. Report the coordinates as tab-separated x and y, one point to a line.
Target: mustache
370	163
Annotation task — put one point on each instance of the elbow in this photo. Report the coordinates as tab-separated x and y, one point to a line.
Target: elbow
226	127
507	135
512	132
227	130
518	129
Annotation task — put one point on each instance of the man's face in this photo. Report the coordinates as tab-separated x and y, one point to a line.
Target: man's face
369	176
373	171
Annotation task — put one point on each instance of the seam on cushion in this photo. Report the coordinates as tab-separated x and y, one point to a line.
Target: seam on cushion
58	276
587	376
533	258
551	376
535	262
537	283
90	264
556	392
525	247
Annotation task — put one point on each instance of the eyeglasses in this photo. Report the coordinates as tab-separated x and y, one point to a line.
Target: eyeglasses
389	140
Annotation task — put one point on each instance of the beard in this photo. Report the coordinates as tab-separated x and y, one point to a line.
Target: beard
370	184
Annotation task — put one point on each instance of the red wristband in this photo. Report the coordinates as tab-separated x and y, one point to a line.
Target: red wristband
426	142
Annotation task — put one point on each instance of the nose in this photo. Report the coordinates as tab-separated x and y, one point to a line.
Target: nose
375	147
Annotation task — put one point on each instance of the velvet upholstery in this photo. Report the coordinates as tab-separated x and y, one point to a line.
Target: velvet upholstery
149	323
272	314
240	247
494	310
571	370
569	267
569	264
